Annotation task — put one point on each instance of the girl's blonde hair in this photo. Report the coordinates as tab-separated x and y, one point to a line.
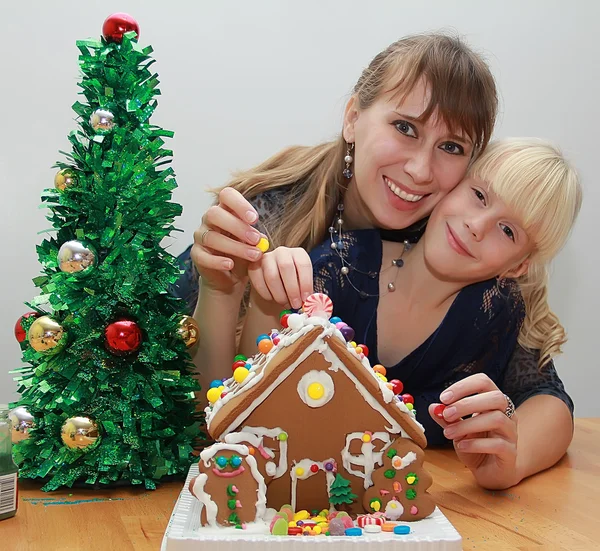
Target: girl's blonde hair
463	92
533	178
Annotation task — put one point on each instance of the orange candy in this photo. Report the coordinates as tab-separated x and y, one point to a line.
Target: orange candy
380	369
265	346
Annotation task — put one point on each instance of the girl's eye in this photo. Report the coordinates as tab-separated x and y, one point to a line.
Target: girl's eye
406	128
453	148
479	195
508	231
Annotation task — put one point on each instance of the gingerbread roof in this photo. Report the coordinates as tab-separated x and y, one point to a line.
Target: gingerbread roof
304	336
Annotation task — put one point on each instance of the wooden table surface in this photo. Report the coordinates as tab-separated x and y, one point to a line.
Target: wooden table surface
556	509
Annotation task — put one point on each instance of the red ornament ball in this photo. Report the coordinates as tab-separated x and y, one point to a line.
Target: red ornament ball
397	386
239	363
20	333
116	25
408	399
314	468
365	349
123	337
284	320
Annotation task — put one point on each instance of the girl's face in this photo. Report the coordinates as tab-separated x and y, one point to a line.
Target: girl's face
402	167
472	235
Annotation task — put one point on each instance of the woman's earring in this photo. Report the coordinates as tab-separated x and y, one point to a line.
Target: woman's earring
348	159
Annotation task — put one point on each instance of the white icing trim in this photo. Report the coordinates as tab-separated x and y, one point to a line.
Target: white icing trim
368	458
306	464
261	491
405	461
205	499
320	377
271	468
208	453
254	436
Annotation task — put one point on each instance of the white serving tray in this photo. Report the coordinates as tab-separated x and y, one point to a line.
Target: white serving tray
184	533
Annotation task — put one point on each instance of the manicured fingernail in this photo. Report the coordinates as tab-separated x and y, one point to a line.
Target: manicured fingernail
251	216
461	445
253	237
305	296
449	432
227	264
296	304
449	412
253	254
446	396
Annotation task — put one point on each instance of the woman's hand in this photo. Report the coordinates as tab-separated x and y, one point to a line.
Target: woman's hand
487	441
284	275
226	242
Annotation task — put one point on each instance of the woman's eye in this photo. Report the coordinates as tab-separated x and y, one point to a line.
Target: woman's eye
406	128
508	231
453	148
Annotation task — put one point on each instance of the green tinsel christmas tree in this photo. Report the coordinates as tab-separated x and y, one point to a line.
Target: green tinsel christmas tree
109	382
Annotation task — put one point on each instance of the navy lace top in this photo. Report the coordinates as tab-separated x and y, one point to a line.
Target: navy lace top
490	314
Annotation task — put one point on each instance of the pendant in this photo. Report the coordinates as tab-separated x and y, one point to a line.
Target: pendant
391	287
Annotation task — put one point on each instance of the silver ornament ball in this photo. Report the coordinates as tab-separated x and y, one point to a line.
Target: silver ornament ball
76	257
102	121
21	421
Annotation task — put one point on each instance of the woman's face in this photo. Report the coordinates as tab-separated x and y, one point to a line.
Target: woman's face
402	166
472	235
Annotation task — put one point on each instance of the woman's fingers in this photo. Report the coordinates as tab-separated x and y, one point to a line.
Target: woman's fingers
205	260
257	279
237	204
220	244
220	219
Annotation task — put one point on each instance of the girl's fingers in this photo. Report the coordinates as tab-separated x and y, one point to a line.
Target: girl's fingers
479	403
474	384
273	280
257	279
304	269
493	446
490	421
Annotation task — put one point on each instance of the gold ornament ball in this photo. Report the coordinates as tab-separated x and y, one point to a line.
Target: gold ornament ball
75	257
80	432
102	121
188	330
64	178
46	335
21	421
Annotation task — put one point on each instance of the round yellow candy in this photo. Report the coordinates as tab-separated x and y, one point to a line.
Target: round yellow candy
315	391
410	479
263	244
292	524
409	405
240	374
366	437
381	377
376	506
358	349
299	472
213	395
353	344
317	529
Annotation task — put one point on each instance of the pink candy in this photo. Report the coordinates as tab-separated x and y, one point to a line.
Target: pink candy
318	304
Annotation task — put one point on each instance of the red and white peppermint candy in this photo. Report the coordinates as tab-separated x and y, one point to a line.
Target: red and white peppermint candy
364	520
318	304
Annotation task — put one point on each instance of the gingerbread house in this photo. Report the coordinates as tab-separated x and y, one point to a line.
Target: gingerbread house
309	410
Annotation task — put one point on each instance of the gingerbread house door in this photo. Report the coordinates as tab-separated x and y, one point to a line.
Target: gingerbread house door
310	481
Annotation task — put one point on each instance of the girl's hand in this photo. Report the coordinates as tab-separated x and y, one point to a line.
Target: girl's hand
226	242
284	275
487	441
